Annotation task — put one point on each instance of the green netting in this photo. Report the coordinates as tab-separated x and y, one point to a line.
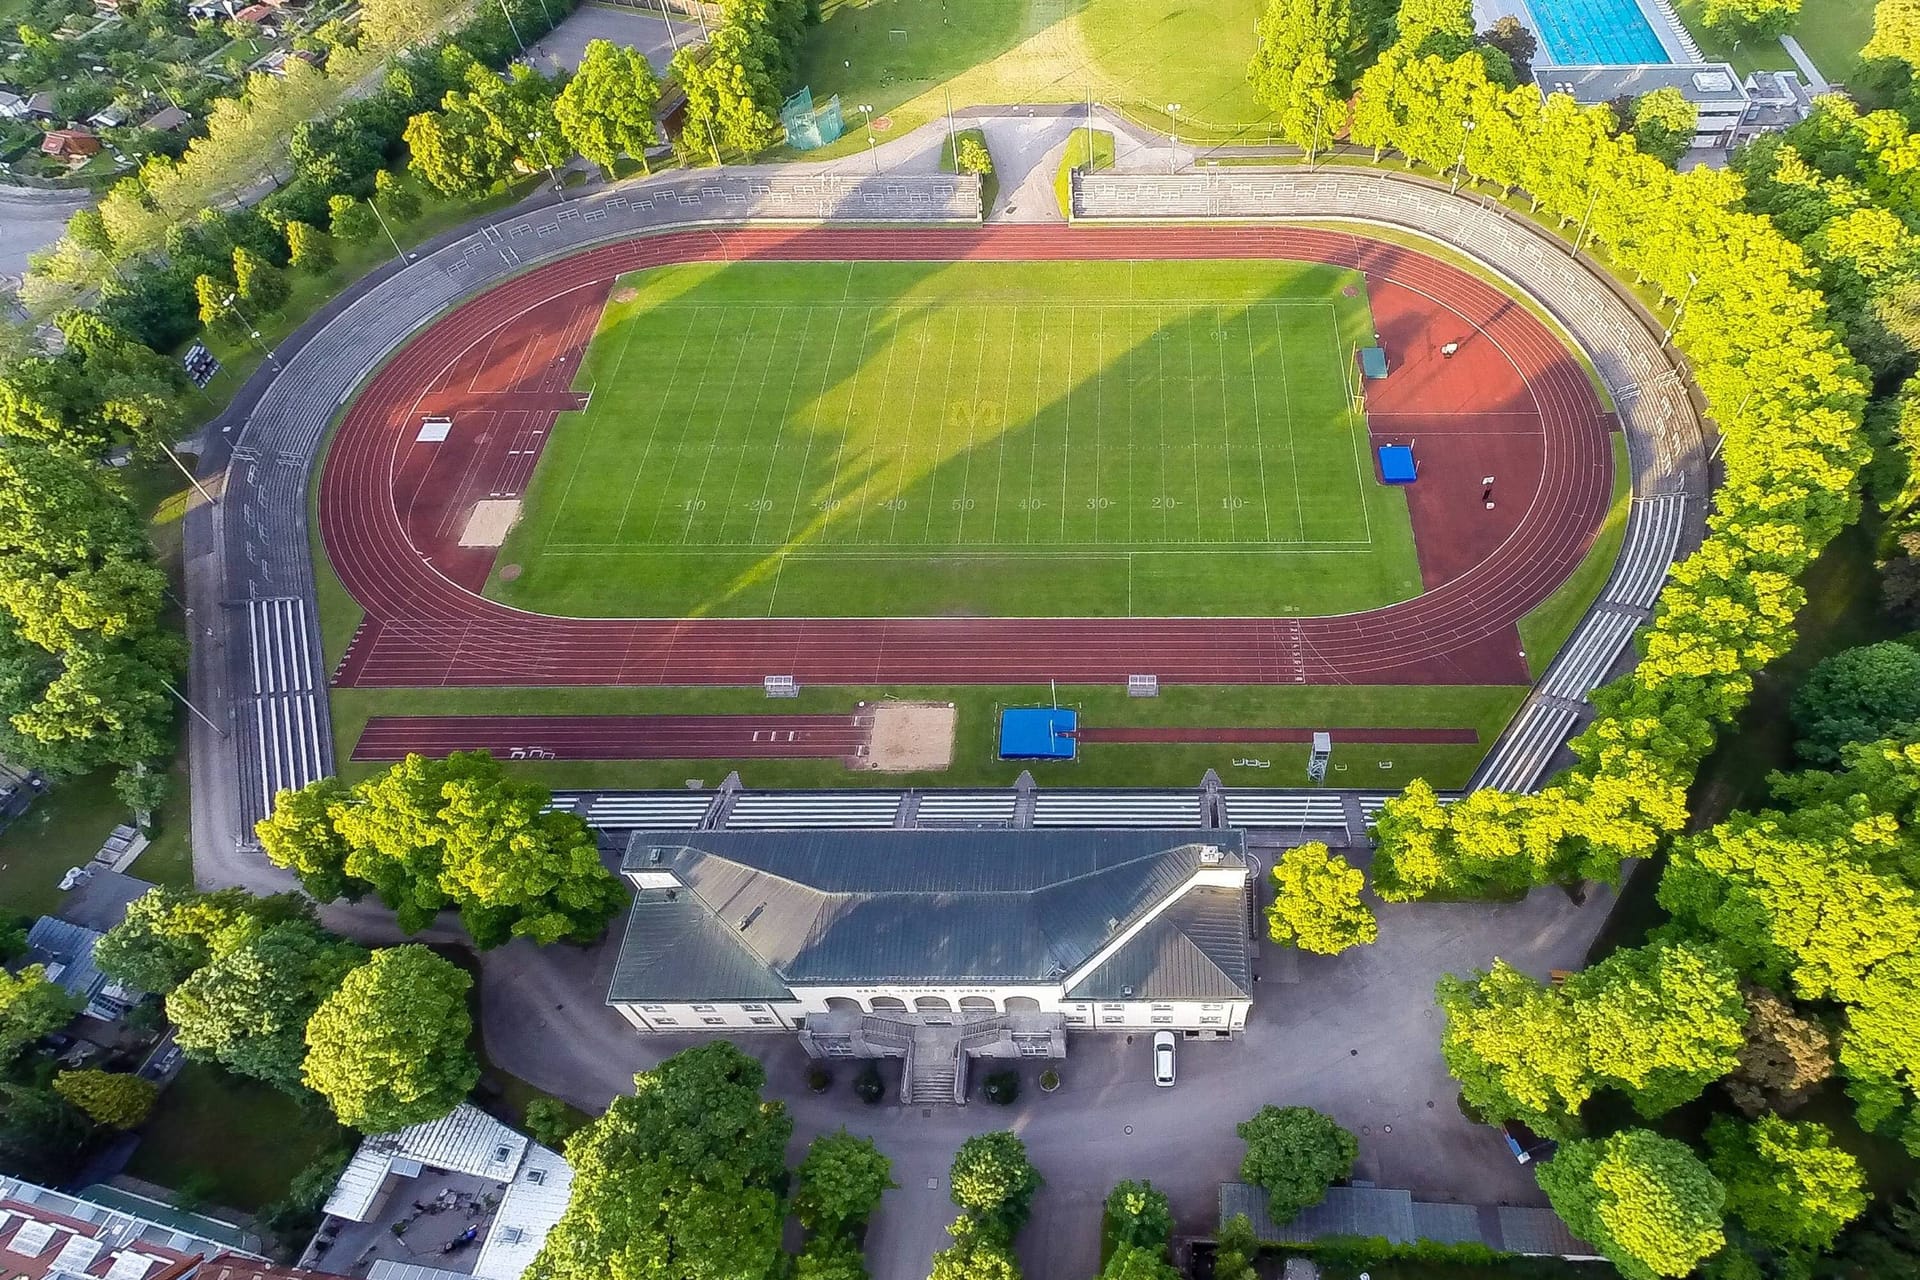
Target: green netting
809	127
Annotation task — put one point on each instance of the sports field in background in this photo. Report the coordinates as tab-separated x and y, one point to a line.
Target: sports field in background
1008	439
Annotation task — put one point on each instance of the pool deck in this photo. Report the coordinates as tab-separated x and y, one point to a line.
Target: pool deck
1665	24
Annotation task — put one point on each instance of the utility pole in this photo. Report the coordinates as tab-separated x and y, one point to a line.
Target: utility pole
1460	163
953	139
398	252
513	27
185	702
191	478
233	300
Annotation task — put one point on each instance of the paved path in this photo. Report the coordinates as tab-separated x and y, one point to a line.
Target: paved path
1355	1035
1816	83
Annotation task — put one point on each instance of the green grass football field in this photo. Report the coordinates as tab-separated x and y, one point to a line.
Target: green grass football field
1010	439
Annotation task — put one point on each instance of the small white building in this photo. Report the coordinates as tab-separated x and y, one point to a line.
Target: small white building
937	946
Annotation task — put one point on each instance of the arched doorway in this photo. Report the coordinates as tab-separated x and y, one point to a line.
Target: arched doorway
843	1004
932	1004
976	1003
1022	1004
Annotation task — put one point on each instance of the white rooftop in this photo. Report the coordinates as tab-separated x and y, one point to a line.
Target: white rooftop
466	1140
531	1208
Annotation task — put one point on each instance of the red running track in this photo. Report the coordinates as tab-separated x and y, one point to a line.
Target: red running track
423	628
617	737
1185	733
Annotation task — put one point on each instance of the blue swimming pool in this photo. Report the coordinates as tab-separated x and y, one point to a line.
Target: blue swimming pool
1582	32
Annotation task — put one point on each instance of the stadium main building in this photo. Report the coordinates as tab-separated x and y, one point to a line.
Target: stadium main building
937	946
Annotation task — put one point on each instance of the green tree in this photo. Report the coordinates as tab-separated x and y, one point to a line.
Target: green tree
1295	1154
841	1182
1235	1250
211	293
1316	904
1296	71
1510	37
973	157
248	1010
1660	1023
169	934
1132	1262
388	1048
830	1255
688	1169
607	110
1516	1049
310	250
1748	19
1856	695
299	835
1663	123
258	282
41	1134
1442	28
550	1121
978	1252
396	195
1787	1183
1896	33
111	1098
1137	1214
1645	1202
352	221
30	1007
993	1180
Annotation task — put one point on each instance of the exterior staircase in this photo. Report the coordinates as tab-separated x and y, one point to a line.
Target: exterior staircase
933	1083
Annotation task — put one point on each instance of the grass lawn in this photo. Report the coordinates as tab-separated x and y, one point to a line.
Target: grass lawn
1831	31
247	1138
1010	439
1088	150
1486	709
1762	54
1543	631
908	59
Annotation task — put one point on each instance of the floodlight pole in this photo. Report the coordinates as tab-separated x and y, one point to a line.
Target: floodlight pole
1581	235
953	139
191	478
398	252
513	27
1461	162
233	300
188	704
1679	312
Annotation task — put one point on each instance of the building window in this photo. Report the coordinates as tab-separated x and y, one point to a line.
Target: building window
1160	1019
761	1021
1111	1019
754	1008
715	1022
536	1177
1163	1008
653	1008
1108	1008
1209	1019
1210	1008
667	1022
703	1008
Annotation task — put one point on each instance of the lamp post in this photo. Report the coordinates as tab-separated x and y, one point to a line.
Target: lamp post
397	250
513	27
1173	152
534	138
1679	312
866	109
1461	161
233	300
1581	235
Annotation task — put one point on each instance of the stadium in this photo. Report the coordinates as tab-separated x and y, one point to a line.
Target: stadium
799	437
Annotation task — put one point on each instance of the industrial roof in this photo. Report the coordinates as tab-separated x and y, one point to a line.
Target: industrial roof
466	1140
67	952
1194	950
830	907
1397	1217
1702	83
532	1207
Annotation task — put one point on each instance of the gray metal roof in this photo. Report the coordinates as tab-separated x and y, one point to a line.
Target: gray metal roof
898	905
1701	83
1347	1211
100	901
1194	950
67	952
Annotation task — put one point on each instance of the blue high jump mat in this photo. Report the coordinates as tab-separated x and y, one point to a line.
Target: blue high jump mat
1038	733
1397	465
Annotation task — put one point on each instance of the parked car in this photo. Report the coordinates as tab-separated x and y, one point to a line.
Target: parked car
1163	1058
1525	1144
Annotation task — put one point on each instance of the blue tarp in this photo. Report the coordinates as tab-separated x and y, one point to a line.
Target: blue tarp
1037	733
1373	362
1396	464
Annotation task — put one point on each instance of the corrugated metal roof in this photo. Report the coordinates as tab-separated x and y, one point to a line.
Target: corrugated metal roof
676	949
1398	1217
1452	1223
906	905
466	1140
1539	1232
54	943
388	1269
1196	949
530	1209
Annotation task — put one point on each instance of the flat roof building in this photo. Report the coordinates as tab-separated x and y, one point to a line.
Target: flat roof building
937	946
1711	87
44	1233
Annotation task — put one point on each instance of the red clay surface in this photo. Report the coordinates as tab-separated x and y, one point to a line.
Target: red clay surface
1183	733
616	737
1513	403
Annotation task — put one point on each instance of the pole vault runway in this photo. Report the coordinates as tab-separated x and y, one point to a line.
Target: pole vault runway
426	625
